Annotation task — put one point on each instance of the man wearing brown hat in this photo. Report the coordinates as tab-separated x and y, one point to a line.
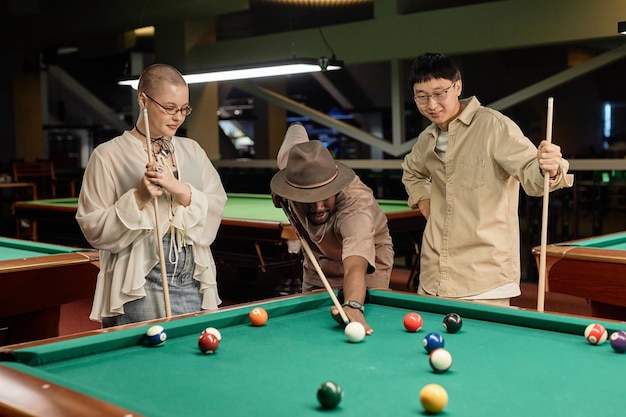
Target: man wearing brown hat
340	219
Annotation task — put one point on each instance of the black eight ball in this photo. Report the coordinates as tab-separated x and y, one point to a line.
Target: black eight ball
452	322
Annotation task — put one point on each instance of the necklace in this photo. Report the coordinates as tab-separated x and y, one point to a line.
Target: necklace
143	134
306	220
160	146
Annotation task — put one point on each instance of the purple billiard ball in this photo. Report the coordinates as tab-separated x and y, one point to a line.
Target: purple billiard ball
433	341
618	341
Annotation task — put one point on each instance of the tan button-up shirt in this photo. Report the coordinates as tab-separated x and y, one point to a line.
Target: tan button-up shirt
471	243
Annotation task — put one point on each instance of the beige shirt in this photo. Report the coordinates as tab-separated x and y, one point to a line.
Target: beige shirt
471	242
357	227
111	221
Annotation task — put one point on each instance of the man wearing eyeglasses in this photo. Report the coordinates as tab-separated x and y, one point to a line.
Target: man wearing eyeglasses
464	174
126	182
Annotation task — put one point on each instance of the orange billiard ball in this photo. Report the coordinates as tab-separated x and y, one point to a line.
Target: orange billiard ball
258	316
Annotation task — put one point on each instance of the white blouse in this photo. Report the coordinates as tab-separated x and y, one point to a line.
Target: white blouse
112	223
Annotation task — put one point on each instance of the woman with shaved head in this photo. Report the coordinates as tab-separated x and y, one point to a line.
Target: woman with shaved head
116	210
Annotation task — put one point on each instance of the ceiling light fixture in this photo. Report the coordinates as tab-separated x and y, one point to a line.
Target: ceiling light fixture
621	28
268	69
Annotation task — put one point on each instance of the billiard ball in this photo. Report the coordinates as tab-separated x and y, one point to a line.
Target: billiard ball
329	394
156	336
208	343
258	316
618	341
596	334
355	332
433	341
434	398
413	322
214	332
440	360
452	322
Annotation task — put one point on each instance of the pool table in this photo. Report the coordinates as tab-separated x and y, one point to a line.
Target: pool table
506	361
35	280
592	268
253	233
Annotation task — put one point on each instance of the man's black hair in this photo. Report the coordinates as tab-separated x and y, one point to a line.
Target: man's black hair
430	66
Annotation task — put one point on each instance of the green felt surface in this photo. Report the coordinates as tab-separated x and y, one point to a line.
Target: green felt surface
11	249
253	206
611	242
506	362
61	202
242	206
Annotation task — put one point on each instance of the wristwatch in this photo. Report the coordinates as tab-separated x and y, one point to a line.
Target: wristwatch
354	304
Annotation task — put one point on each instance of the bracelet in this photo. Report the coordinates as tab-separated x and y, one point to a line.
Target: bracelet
555	175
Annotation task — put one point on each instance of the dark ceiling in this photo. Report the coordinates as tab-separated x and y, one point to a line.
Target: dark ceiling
39	28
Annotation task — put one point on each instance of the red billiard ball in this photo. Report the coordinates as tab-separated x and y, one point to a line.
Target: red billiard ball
258	316
208	343
596	334
413	322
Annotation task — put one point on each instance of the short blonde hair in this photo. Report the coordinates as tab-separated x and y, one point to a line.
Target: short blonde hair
157	74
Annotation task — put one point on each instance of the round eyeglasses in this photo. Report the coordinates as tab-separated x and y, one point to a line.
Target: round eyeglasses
439	96
172	110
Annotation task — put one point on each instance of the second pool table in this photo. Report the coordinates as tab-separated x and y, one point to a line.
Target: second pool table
253	233
35	280
505	362
592	268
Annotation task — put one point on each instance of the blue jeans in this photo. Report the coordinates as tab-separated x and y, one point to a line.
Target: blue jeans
184	290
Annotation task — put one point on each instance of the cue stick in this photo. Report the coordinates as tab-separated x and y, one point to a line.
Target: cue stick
157	229
541	287
307	249
260	255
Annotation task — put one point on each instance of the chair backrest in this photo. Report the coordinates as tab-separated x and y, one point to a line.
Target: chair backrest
40	172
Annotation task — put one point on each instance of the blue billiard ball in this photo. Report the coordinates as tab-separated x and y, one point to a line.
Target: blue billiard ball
155	336
433	341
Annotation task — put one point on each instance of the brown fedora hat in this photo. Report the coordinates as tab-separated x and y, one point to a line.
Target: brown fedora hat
311	175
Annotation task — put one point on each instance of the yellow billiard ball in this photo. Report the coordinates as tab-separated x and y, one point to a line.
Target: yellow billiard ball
434	398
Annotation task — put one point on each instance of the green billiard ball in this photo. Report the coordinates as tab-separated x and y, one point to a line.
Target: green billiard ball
329	394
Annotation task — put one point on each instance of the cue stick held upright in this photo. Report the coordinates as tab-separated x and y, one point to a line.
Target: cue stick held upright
285	206
157	229
541	287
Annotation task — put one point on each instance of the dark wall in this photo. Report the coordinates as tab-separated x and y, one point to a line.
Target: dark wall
7	129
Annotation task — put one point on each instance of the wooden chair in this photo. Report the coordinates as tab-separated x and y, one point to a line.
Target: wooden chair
40	172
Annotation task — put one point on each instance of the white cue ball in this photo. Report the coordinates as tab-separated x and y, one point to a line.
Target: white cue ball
214	332
355	332
440	360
